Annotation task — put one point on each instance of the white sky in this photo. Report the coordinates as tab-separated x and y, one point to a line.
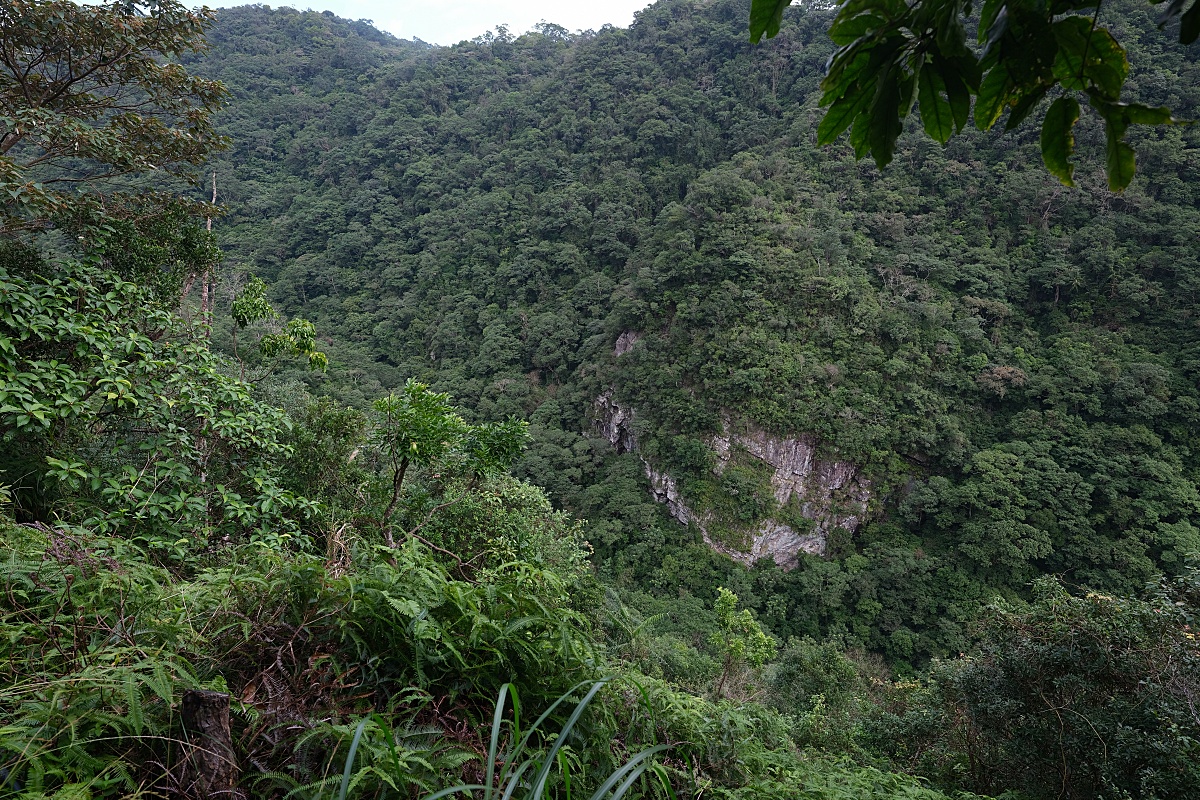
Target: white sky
441	22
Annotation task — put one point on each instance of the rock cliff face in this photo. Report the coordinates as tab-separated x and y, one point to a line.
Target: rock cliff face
616	423
831	494
625	343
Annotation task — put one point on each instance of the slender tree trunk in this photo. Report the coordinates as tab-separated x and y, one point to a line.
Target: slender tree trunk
397	482
206	298
207	295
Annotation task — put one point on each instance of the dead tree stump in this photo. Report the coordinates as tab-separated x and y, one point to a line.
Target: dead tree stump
209	767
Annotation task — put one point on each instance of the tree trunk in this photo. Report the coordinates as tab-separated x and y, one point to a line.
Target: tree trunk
209	768
208	293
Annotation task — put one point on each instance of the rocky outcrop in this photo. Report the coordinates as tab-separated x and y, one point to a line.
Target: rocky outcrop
831	494
665	490
616	423
625	343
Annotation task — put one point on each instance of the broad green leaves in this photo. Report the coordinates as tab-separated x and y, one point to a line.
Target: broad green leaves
739	638
993	92
251	304
765	16
1119	156
1058	138
131	415
1119	160
296	338
1088	58
937	116
1030	51
878	72
419	427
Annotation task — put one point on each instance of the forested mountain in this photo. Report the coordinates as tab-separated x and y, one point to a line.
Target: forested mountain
1011	365
546	416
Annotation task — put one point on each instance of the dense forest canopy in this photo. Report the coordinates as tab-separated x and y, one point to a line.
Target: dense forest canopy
1013	363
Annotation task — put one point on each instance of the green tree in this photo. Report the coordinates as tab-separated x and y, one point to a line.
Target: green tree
1067	697
89	95
294	338
115	414
418	427
739	639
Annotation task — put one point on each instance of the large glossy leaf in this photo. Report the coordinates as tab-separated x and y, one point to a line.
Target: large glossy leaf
1024	107
951	36
966	69
840	116
993	11
860	134
1120	162
859	18
846	69
1125	114
936	115
849	28
765	16
993	93
1089	58
885	122
1139	114
1058	138
1028	50
956	92
1189	26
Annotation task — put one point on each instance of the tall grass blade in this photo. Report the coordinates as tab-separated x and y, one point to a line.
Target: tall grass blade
669	790
635	765
391	739
358	732
514	781
494	744
463	787
539	783
565	767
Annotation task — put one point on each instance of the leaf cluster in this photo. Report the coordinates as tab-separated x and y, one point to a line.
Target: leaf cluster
892	54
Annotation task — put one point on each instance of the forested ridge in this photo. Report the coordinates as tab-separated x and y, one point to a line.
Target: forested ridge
375	468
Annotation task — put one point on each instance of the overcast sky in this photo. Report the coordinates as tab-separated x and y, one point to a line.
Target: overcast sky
441	22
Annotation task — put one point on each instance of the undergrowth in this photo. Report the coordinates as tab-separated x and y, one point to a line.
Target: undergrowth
373	676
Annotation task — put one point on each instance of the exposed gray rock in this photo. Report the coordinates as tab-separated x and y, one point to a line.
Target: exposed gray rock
665	490
830	493
625	343
616	423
